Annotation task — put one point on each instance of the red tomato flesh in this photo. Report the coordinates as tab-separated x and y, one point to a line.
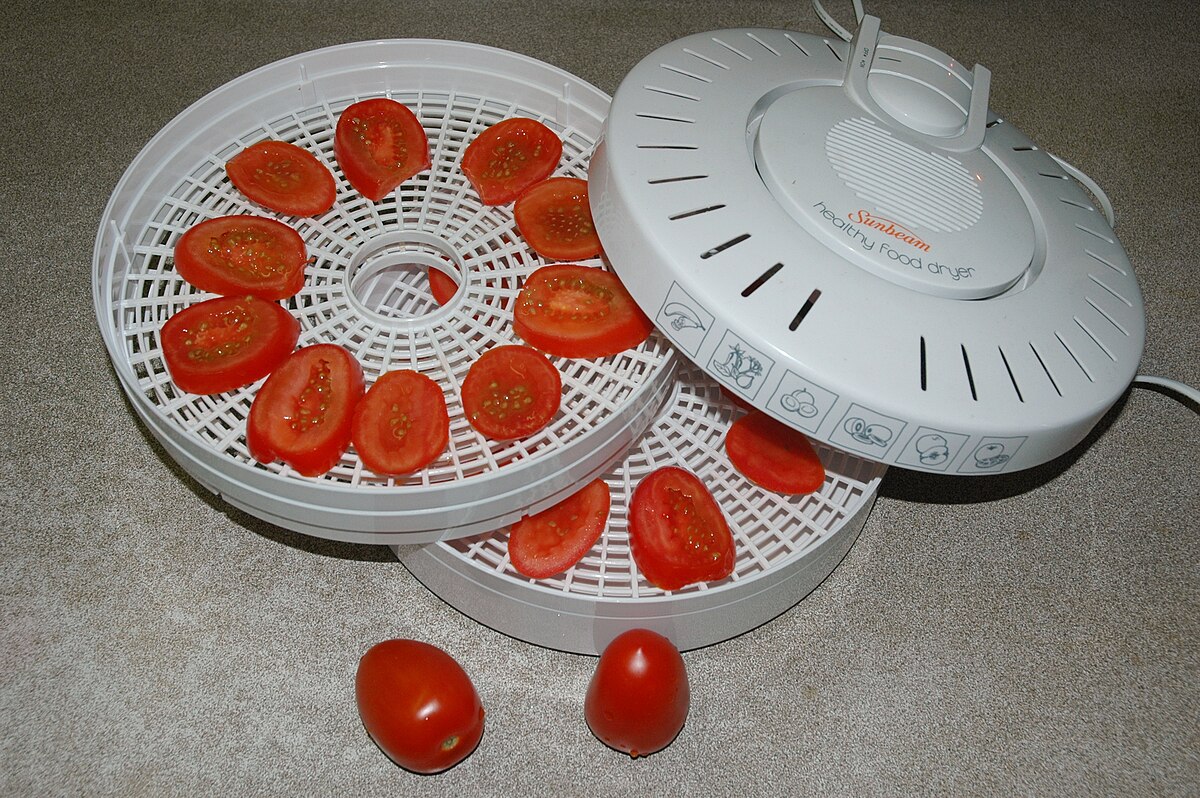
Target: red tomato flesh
509	157
379	143
441	286
401	424
510	392
637	701
677	532
303	412
284	178
578	311
227	342
418	705
243	256
556	221
772	455
550	542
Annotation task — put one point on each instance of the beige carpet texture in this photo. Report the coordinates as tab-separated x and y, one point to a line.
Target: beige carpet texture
1034	633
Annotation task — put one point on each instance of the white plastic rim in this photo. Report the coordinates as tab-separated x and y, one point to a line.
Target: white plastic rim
367	288
786	545
812	253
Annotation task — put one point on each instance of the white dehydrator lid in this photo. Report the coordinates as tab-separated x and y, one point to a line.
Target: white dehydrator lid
786	545
844	236
367	290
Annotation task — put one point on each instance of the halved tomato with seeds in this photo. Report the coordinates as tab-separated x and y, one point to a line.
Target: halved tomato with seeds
578	311
227	342
401	425
243	255
302	413
509	157
556	221
550	542
379	143
511	391
677	532
772	455
283	177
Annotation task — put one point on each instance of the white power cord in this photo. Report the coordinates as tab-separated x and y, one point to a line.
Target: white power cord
1184	390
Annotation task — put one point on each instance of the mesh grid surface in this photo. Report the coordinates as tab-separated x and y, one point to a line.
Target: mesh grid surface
367	290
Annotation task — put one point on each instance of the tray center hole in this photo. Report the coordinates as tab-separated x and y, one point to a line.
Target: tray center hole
389	276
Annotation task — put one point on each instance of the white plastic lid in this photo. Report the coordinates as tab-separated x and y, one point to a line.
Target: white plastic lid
844	236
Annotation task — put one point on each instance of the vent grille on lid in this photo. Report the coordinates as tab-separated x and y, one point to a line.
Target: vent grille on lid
917	188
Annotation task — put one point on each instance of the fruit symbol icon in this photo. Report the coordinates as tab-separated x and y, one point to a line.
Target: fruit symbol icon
932	449
990	455
800	402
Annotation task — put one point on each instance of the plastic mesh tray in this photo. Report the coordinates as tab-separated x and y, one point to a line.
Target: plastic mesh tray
785	545
367	288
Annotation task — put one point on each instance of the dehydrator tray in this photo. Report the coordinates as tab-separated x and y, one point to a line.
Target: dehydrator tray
367	290
786	545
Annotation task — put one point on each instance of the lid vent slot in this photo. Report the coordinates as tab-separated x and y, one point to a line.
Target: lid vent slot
695	212
761	279
661	180
799	46
970	376
1012	377
1045	368
1074	357
719	248
804	309
924	377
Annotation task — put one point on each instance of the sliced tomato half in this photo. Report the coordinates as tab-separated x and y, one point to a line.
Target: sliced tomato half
578	311
556	221
284	178
379	143
550	542
302	414
772	455
243	256
401	425
511	391
509	157
441	285
227	342
677	532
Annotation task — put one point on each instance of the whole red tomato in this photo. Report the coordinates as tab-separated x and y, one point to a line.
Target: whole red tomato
418	704
638	698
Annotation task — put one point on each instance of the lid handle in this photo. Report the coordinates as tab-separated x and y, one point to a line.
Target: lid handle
911	95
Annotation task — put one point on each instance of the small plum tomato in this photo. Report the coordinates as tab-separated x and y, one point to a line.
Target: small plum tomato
401	425
302	414
243	255
509	157
224	343
379	143
578	311
418	704
555	219
677	532
511	391
284	178
550	542
772	455
637	701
